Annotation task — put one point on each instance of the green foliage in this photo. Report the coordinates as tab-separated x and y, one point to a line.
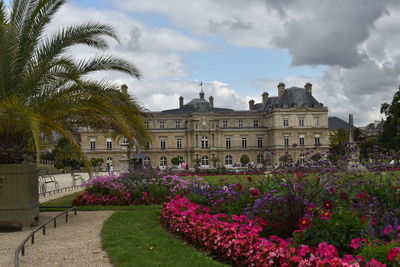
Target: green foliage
244	159
96	162
175	161
44	91
391	128
338	230
378	251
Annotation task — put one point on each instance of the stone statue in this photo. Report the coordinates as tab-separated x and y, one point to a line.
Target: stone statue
351	129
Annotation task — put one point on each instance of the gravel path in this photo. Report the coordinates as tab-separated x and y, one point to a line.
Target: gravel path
76	243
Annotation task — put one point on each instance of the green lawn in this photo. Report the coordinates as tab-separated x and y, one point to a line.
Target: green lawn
135	238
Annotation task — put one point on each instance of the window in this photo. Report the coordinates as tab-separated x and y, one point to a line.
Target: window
109	143
224	124
147	145
317	140
178	143
109	160
177	124
228	142
244	142
204	142
147	161
146	124
302	158
163	162
301	140
316	121
93	144
162	144
125	141
286	140
260	159
260	142
240	124
228	160
255	123
301	121
204	161
162	125
285	121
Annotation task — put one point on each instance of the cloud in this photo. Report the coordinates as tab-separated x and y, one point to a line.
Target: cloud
358	42
332	32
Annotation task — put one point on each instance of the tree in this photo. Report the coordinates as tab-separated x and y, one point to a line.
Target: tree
244	159
175	161
96	162
339	140
215	160
390	136
66	154
196	162
43	90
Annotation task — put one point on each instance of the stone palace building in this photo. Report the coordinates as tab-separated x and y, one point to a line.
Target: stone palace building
293	122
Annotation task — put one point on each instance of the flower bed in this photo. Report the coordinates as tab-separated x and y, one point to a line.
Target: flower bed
237	239
287	218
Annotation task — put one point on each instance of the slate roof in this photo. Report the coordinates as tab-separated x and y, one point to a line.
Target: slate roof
293	97
335	123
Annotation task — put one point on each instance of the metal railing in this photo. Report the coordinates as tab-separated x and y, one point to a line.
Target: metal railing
21	248
59	190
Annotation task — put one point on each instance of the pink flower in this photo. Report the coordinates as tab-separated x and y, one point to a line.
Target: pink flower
355	243
327	251
375	263
388	229
328	205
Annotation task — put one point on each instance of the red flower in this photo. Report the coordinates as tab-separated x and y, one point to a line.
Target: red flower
239	187
393	253
304	223
328	205
254	192
249	179
326	215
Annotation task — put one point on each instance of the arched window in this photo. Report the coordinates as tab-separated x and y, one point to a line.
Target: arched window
147	161
109	160
260	159
204	161
163	162
228	160
204	142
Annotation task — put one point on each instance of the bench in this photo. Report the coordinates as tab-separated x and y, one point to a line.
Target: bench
76	177
44	180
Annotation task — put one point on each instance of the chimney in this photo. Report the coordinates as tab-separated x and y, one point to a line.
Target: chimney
181	102
281	89
124	89
308	87
251	104
211	101
265	98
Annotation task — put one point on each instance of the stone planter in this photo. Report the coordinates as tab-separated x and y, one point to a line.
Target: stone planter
19	194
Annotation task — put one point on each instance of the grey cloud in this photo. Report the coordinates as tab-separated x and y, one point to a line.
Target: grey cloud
331	31
231	24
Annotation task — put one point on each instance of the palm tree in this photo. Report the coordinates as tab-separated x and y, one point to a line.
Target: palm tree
339	138
43	90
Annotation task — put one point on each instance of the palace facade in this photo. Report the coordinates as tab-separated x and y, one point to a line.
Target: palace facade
292	122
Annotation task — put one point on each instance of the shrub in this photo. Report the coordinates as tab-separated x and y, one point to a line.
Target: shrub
379	252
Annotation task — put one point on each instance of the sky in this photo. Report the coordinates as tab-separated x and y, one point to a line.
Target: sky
348	50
